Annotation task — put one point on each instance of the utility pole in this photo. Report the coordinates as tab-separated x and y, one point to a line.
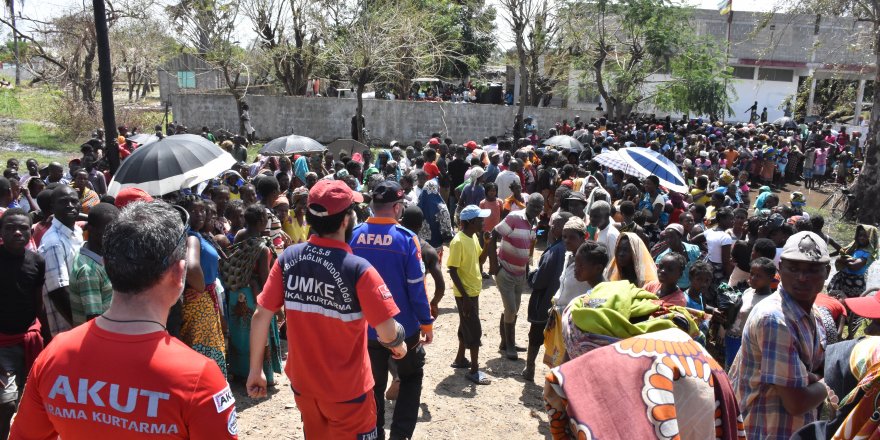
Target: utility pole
106	79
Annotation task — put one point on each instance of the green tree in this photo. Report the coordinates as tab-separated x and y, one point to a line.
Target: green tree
700	83
463	27
619	44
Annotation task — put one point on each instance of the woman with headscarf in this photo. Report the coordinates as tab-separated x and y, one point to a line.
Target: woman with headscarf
763	193
300	169
854	261
437	226
631	261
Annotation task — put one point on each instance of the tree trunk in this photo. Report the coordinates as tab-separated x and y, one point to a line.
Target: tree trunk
88	81
147	87
523	89
129	79
868	188
360	110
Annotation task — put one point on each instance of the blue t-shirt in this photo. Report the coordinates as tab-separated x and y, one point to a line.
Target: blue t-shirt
692	253
209	258
860	254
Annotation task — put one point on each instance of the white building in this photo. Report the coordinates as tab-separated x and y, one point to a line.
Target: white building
771	55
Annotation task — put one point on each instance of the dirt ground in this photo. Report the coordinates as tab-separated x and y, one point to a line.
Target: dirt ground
452	407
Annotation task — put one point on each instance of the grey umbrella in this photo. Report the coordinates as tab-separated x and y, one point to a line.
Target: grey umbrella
293	144
565	141
785	123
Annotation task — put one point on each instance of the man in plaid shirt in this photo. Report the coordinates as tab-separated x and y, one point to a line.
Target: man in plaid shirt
783	344
90	288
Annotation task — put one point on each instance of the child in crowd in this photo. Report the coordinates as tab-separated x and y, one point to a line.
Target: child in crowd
248	194
852	266
761	276
491	203
700	275
669	270
235	214
515	202
465	254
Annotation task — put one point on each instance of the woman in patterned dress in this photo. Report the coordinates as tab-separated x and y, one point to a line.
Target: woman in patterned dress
201	327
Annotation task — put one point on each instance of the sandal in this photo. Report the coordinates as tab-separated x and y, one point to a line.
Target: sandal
457	365
479	378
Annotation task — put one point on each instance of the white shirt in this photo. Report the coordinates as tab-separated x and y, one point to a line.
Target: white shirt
569	287
58	247
608	237
715	240
504	179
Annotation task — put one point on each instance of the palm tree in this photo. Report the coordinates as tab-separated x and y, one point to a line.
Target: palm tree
10	5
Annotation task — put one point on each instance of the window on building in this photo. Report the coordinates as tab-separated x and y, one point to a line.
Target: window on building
588	94
784	75
744	72
186	79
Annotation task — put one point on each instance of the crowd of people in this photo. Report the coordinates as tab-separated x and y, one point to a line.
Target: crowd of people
710	313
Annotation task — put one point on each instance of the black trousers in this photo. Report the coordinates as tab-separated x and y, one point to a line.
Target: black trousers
410	370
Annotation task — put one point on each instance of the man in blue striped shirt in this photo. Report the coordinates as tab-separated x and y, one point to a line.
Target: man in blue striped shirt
395	253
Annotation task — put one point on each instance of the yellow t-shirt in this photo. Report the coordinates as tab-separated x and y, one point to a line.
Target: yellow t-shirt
702	200
464	254
297	233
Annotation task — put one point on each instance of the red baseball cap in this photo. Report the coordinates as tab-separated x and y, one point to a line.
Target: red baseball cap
130	195
865	306
329	197
470	145
434	141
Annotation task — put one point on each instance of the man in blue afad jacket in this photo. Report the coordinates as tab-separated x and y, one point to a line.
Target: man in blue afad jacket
395	253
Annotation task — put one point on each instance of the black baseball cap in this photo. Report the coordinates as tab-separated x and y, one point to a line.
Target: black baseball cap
387	191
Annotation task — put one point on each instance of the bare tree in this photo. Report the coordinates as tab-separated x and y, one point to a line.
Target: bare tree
208	25
520	16
63	49
546	61
289	33
381	44
10	6
138	49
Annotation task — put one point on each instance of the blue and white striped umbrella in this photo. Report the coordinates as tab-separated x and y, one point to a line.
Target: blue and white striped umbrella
650	162
614	160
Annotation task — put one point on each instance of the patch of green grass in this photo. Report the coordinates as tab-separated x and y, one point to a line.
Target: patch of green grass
39	136
28	103
841	231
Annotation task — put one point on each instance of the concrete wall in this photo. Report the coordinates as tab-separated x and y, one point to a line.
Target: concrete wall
328	119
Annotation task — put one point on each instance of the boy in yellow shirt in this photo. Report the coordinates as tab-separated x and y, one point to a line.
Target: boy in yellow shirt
464	269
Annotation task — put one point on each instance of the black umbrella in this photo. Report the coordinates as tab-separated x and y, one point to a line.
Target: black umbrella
565	141
293	144
346	145
143	139
169	165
